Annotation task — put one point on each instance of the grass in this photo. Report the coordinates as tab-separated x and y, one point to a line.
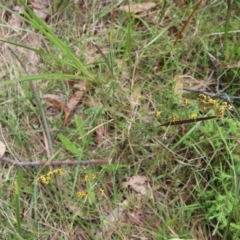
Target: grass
193	191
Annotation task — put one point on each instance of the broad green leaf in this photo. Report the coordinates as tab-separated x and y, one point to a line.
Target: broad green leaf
70	146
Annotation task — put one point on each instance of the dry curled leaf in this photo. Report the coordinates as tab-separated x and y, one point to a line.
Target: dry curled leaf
74	100
137	7
137	183
56	100
2	149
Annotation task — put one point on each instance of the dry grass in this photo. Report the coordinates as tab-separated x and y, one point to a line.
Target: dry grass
187	177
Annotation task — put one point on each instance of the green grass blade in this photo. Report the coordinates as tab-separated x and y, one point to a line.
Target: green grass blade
49	76
56	41
17	202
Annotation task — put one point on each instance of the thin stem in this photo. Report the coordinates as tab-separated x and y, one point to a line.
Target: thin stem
185	25
39	104
68	162
227	21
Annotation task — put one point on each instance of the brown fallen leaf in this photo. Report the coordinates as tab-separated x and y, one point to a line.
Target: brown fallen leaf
74	100
2	149
138	184
71	83
56	100
137	7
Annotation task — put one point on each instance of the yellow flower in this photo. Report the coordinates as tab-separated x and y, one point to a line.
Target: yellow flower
224	104
213	102
94	176
101	192
221	110
50	173
202	97
60	171
85	177
185	100
158	113
82	194
194	116
48	177
44	179
229	107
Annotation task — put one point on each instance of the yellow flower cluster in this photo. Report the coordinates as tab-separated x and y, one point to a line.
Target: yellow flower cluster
87	178
206	102
84	194
225	106
46	179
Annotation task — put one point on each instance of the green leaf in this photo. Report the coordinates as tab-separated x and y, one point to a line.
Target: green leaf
70	146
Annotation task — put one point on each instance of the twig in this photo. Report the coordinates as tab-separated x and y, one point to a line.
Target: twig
68	162
171	123
229	7
103	56
39	104
185	25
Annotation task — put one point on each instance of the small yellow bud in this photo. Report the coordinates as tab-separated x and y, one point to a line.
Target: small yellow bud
185	100
85	177
194	116
101	192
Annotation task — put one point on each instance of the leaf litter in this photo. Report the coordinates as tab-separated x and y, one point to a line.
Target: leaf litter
137	7
140	184
81	89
